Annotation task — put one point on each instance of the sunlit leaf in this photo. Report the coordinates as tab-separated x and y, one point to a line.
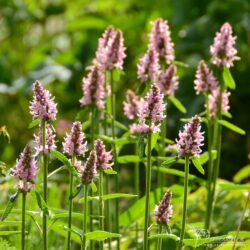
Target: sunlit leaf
10	205
198	165
243	173
154	137
110	171
232	127
61	157
177	104
232	186
34	123
228	78
101	235
165	236
128	159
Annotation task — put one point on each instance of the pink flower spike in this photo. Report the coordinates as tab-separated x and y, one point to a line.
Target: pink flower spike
103	157
74	144
93	88
43	106
160	40
88	172
213	102
26	170
168	81
190	140
50	140
148	68
204	81
132	105
164	212
223	51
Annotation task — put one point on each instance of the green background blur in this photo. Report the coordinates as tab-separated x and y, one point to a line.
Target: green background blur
55	40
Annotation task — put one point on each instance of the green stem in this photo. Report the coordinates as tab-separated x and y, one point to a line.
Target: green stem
148	187
137	173
101	205
210	166
159	240
106	187
184	213
23	221
45	174
85	211
241	220
113	106
71	182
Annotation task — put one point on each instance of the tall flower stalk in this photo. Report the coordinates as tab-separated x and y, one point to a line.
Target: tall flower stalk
26	172
189	143
74	145
223	55
43	108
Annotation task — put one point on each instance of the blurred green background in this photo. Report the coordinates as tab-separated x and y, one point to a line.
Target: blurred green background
55	40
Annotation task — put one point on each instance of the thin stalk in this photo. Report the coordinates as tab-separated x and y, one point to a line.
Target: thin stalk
159	240
101	205
210	166
91	208
71	183
85	211
148	187
184	213
241	220
217	143
137	174
106	186
45	195
160	176
113	106
23	220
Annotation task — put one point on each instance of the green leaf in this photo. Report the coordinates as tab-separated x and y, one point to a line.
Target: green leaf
174	172
76	192
101	235
165	236
154	137
244	173
121	126
66	215
242	234
34	123
93	187
41	203
106	139
170	161
232	127
117	195
61	157
140	89
141	146
110	171
228	78
198	165
10	205
128	159
232	186
117	73
57	170
8	233
203	158
201	241
73	231
10	223
177	104
82	115
181	64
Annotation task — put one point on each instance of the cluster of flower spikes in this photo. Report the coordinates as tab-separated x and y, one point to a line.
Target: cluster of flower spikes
103	157
26	170
132	105
49	140
93	88
151	113
223	51
74	143
160	40
160	46
43	106
110	53
88	171
206	82
190	139
164	211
